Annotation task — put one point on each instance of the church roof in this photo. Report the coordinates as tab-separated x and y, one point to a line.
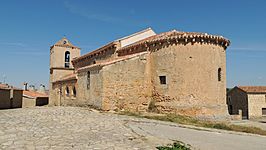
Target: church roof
109	62
179	35
68	77
64	42
114	44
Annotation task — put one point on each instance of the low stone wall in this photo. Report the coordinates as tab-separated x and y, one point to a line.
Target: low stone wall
28	102
237	116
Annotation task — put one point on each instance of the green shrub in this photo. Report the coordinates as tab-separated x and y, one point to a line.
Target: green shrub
176	146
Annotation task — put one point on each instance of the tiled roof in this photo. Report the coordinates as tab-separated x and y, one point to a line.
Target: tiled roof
95	52
3	86
177	35
108	46
64	42
68	78
253	89
108	62
34	94
6	86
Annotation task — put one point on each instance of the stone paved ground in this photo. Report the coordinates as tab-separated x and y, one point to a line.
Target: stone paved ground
82	128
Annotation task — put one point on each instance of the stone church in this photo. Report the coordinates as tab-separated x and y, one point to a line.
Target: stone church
171	72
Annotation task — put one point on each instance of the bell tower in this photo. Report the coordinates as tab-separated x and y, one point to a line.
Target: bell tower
61	55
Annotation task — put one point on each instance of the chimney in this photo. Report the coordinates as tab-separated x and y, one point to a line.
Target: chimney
25	84
42	88
32	88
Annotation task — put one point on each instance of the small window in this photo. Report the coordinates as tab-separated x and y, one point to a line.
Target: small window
230	109
162	79
219	74
88	80
67	91
263	111
74	92
229	99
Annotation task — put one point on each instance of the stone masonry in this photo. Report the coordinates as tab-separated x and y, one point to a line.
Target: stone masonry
172	72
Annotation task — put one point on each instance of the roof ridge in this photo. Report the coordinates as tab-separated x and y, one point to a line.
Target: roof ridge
135	33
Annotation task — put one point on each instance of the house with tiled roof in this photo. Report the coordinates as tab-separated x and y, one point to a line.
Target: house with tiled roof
249	100
33	97
170	72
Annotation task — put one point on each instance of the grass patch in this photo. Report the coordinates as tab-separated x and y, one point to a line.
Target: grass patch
199	123
176	146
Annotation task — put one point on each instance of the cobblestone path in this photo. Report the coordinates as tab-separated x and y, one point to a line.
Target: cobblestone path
82	128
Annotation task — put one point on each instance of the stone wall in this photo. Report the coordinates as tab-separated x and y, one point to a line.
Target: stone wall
56	75
192	87
58	69
126	84
255	104
62	98
17	99
32	102
28	102
10	98
90	91
168	76
4	98
239	101
57	56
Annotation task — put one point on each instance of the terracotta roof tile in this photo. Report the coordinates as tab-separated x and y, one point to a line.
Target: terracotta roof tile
64	42
6	86
108	62
253	89
68	77
177	35
99	50
34	94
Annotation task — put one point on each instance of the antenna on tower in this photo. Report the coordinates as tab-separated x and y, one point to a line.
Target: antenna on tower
4	78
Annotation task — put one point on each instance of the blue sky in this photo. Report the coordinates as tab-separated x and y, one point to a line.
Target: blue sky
29	27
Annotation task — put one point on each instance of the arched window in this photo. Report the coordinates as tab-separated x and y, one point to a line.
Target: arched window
88	80
219	74
74	91
67	59
67	91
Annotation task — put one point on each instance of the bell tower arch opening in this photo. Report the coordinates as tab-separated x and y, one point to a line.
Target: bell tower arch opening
67	59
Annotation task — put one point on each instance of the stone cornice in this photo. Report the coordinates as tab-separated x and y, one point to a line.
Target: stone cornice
175	37
96	52
66	46
61	68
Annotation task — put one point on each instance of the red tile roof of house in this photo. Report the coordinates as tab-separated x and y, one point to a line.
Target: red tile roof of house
253	89
34	94
6	86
